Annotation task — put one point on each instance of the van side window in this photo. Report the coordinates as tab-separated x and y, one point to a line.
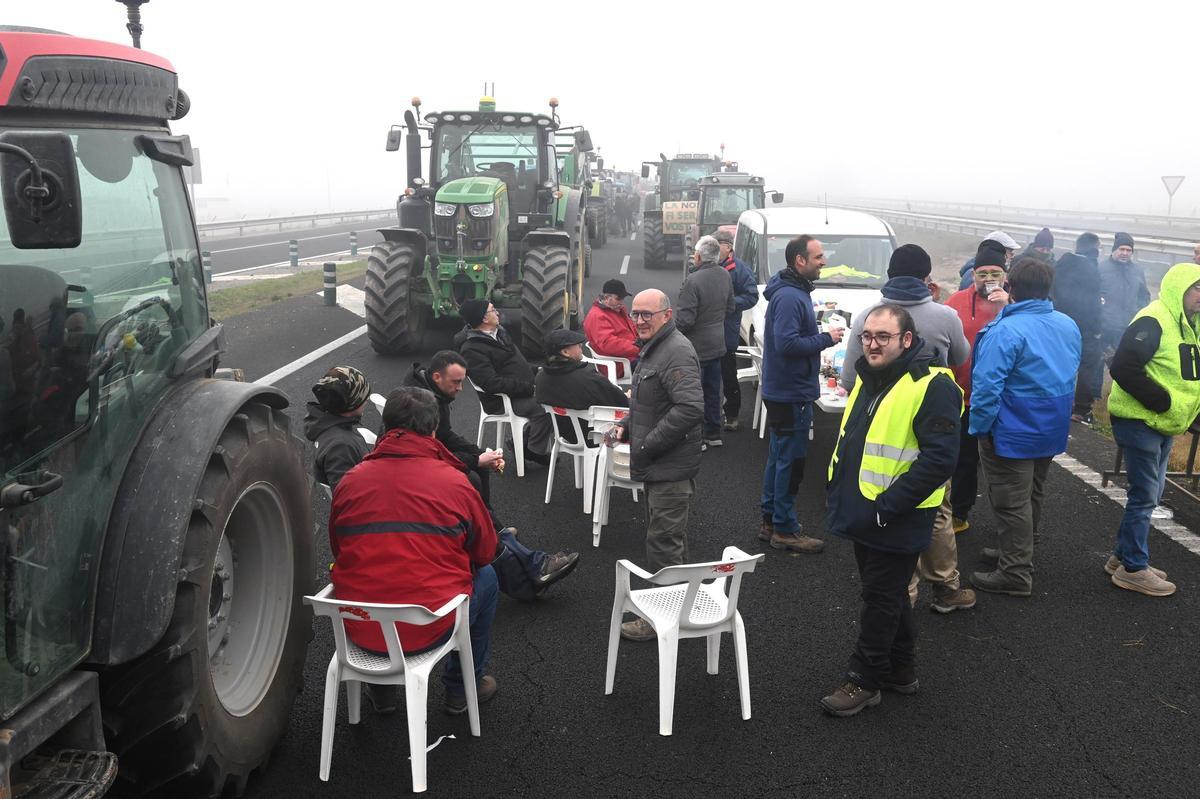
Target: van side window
745	248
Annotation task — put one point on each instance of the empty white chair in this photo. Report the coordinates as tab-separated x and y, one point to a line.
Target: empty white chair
612	468
583	457
753	374
353	665
367	436
378	401
515	422
685	606
607	364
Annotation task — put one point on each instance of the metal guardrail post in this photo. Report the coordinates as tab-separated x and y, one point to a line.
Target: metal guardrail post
330	283
294	252
353	242
206	262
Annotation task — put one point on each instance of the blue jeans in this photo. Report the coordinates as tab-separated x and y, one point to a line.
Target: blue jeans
789	425
710	381
483	610
1146	453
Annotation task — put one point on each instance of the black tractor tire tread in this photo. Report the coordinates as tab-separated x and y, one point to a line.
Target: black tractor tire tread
162	716
544	288
654	247
391	269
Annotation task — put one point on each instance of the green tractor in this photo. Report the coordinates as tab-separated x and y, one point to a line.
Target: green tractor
493	221
678	181
723	198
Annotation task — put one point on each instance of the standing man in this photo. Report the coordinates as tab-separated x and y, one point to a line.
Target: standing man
705	300
1123	291
1076	292
1196	254
998	240
895	452
745	297
663	430
1155	397
791	371
1041	248
608	328
1022	387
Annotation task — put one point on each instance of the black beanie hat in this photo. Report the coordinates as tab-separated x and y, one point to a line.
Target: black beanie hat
1122	239
909	260
473	311
1044	238
991	256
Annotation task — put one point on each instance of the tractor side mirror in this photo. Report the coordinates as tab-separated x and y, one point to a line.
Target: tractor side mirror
45	217
393	139
777	197
645	170
583	140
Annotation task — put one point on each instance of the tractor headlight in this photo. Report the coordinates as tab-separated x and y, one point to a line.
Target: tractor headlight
445	209
481	211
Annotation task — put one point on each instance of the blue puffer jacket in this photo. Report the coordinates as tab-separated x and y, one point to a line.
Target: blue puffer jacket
745	297
966	274
1023	380
792	343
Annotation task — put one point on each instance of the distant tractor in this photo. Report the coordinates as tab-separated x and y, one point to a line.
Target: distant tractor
678	181
723	198
492	221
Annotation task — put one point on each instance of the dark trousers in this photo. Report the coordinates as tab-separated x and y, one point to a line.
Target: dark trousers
733	390
886	633
710	380
965	483
1089	380
538	432
1015	489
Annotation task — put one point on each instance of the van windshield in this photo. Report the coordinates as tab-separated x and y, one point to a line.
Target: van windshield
849	260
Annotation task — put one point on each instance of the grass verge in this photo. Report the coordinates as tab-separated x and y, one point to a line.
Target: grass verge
261	293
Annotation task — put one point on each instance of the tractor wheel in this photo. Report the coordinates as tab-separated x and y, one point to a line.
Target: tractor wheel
545	305
601	236
395	324
653	246
587	261
204	707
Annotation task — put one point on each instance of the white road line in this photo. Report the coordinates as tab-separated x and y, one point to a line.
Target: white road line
282	263
280	243
1172	530
305	360
625	264
633	235
351	298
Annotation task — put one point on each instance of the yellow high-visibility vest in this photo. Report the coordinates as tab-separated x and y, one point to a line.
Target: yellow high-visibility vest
891	447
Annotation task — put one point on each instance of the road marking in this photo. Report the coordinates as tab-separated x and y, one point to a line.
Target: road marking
625	264
281	243
1172	530
351	298
281	263
633	235
305	360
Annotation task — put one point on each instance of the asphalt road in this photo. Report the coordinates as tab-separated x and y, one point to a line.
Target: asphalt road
231	251
1082	690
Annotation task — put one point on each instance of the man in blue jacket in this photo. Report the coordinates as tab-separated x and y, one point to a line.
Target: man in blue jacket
1022	389
745	297
792	346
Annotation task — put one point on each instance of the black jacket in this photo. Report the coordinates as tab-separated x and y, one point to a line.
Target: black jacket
576	385
338	443
705	299
461	448
906	529
496	365
1076	291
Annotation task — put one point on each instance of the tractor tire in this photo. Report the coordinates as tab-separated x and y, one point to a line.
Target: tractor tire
600	237
587	261
654	248
204	707
545	304
395	325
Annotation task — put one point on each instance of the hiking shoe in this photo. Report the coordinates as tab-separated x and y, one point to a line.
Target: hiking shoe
1144	581
997	582
384	699
555	567
1114	563
949	601
713	442
766	531
796	542
1085	419
960	525
732	425
456	705
850	699
902	680
989	553
638	630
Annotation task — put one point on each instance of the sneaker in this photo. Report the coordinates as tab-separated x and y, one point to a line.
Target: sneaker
997	582
1085	419
960	525
850	699
384	699
948	601
902	680
555	567
456	705
638	630
1144	581
714	442
1114	563
766	531
732	425
796	542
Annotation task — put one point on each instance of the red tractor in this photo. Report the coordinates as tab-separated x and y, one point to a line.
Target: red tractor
157	534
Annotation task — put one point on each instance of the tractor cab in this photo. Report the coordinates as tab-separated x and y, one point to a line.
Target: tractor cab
724	196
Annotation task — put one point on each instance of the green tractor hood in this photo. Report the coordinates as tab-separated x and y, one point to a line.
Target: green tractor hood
471	190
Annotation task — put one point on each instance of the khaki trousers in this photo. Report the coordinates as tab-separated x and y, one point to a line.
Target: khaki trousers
939	563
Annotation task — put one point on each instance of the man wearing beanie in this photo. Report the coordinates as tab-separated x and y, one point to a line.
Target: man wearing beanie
997	240
1076	292
942	333
1123	291
1041	248
332	422
496	365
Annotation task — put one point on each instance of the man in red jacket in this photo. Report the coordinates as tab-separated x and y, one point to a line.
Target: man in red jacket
608	327
442	548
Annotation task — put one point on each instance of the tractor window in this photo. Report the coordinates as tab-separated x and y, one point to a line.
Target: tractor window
723	206
509	153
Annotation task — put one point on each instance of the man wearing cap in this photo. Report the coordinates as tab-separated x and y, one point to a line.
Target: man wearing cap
567	381
332	423
608	328
1041	248
1123	291
745	297
496	365
997	239
1076	292
705	300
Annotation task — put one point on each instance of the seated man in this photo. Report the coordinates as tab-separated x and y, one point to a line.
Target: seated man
496	365
380	559
332	423
608	327
567	381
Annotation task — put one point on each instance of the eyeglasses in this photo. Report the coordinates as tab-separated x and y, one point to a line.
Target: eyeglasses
646	314
990	275
882	339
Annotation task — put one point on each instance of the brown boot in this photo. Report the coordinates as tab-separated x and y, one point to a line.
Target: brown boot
767	530
796	543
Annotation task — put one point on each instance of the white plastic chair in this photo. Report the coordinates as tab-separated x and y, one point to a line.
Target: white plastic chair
378	401
608	365
684	606
368	436
612	468
515	422
353	665
753	374
583	457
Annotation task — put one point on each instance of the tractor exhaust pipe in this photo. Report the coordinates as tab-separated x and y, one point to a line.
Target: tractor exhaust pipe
412	143
133	10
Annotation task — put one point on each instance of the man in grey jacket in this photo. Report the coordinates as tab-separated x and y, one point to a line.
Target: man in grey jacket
1123	292
663	430
705	299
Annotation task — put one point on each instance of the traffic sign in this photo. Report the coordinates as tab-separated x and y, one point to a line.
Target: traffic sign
1172	182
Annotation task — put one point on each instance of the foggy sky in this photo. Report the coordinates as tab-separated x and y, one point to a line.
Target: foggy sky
1063	104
